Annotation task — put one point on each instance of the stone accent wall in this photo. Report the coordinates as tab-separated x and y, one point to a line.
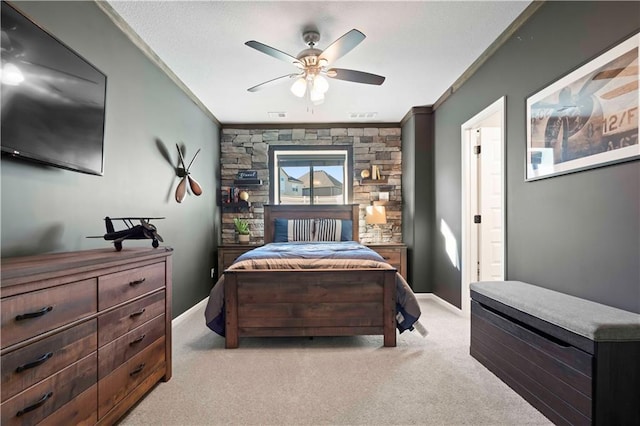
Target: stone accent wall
248	149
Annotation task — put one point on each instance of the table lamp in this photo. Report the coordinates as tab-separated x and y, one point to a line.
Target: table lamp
376	215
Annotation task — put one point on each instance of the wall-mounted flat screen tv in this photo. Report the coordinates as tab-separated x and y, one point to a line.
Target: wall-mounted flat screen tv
53	100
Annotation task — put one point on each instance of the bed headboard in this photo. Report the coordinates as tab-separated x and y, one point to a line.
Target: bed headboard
321	211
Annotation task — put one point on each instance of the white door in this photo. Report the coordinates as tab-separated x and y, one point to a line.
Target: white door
483	244
491	234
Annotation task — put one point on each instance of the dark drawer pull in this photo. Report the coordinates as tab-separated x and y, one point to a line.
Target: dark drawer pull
138	340
35	314
42	400
35	363
137	370
386	257
137	314
137	282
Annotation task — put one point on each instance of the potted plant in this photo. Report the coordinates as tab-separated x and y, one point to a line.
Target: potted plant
242	228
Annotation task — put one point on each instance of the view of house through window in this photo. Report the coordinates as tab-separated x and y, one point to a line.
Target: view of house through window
310	177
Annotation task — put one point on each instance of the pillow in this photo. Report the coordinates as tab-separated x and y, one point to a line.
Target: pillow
292	230
333	230
280	231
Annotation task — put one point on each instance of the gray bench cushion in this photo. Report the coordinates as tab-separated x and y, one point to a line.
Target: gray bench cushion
589	319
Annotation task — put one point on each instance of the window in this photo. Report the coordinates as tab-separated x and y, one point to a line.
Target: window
310	175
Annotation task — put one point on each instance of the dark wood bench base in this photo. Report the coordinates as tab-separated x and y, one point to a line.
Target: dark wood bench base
567	377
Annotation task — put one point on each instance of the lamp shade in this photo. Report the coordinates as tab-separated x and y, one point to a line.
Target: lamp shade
375	215
320	84
299	87
316	97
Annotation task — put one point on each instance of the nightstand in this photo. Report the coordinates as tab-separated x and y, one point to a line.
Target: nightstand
228	253
394	253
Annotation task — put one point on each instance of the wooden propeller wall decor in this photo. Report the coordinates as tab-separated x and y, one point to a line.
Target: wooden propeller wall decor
185	175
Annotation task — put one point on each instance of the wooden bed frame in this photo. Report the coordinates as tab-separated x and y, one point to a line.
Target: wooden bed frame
310	302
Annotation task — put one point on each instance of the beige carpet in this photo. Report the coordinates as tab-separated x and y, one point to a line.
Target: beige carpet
320	381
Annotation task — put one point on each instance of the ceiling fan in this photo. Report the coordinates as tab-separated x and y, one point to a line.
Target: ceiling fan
313	65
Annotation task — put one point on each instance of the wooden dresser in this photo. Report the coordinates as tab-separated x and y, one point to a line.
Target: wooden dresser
84	334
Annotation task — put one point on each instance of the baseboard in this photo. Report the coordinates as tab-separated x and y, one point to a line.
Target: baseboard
441	302
183	316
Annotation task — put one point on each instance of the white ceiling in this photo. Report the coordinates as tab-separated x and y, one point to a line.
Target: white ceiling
421	47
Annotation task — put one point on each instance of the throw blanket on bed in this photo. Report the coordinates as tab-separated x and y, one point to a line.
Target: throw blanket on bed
316	255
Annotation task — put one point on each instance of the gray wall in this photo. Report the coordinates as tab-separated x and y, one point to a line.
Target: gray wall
46	209
577	233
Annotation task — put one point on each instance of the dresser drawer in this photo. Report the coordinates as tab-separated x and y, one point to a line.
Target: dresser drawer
31	314
37	361
39	401
228	257
122	286
227	254
122	320
391	256
125	378
82	411
395	254
122	349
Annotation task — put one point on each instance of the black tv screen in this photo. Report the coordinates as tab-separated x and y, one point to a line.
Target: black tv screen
53	100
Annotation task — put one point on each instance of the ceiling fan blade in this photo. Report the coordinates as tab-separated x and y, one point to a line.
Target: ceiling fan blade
270	82
181	190
355	76
342	46
278	54
194	185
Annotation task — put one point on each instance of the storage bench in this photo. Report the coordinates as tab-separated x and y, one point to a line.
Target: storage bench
576	361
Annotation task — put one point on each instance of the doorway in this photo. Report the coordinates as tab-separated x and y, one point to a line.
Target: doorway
483	212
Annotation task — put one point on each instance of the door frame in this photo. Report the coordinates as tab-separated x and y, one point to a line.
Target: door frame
469	194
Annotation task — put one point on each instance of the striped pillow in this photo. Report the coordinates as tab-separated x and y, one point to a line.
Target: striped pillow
300	230
328	230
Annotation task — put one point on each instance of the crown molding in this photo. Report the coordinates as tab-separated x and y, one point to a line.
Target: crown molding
253	126
493	47
416	111
152	56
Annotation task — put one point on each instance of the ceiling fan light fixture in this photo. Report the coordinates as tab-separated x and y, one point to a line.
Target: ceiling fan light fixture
320	84
311	82
299	87
316	96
